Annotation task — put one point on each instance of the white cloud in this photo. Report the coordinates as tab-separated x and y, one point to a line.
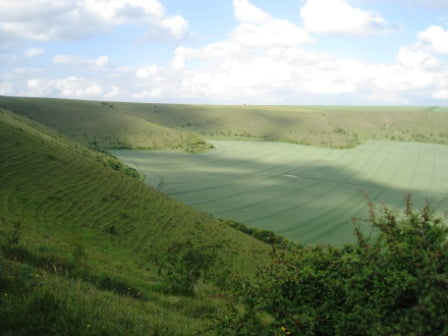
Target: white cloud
270	33
441	94
176	26
413	56
34	52
262	60
262	64
6	89
181	54
395	78
274	73
79	61
259	29
113	93
435	38
150	71
67	87
338	16
27	71
246	12
74	19
148	94
123	11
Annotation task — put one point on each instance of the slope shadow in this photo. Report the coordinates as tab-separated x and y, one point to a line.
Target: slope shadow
314	204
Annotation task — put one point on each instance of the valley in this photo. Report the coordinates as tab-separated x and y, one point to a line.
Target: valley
308	194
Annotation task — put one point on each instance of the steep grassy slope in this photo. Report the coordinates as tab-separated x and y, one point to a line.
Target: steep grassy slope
115	125
81	243
102	125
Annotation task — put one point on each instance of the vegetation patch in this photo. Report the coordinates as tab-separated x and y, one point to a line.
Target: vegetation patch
392	282
306	194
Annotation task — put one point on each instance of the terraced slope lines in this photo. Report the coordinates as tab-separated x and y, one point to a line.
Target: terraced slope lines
81	244
52	185
308	194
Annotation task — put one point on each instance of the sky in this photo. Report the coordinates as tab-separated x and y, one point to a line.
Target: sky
294	52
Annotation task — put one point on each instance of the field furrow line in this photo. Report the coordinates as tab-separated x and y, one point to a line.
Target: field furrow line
387	158
334	219
292	208
432	183
414	167
241	206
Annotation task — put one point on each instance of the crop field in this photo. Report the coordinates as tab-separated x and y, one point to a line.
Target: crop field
306	193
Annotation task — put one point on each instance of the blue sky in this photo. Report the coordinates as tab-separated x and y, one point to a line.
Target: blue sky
227	51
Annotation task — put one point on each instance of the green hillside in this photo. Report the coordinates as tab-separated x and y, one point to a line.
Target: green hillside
175	126
325	126
102	125
85	248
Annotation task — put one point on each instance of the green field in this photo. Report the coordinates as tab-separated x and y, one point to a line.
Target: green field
308	194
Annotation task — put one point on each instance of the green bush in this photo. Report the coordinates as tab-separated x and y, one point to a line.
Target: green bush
392	282
265	236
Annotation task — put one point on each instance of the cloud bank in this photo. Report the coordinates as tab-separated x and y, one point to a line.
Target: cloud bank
262	59
44	20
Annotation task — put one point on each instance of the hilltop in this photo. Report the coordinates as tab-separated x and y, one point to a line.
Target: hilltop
174	126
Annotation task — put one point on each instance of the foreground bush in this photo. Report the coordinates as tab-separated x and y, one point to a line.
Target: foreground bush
393	281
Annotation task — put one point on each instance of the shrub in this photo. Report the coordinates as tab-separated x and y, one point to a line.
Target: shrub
265	236
183	264
392	282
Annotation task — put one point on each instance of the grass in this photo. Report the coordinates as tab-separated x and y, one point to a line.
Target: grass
101	126
81	242
308	194
323	126
175	126
84	243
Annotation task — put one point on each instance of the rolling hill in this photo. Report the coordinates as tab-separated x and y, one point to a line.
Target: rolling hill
102	125
174	126
87	248
82	244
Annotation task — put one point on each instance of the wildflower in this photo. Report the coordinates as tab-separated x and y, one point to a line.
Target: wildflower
88	326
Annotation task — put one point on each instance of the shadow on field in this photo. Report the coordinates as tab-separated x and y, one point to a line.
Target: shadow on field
310	202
